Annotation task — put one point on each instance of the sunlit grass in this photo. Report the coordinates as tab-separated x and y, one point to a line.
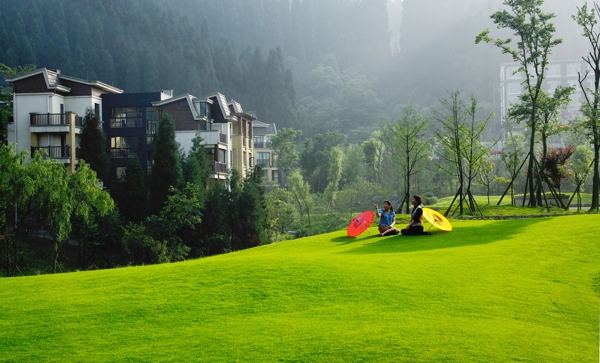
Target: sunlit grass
490	291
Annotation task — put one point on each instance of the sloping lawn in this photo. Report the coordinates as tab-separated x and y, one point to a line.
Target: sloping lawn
490	291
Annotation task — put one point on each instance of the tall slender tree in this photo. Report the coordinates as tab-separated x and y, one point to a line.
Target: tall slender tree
535	40
588	21
91	145
166	170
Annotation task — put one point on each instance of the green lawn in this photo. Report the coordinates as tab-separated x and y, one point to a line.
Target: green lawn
490	291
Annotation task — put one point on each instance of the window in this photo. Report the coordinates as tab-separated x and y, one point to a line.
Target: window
554	70
258	141
275	175
514	88
151	124
124	147
149	162
264	174
510	72
222	156
263	159
573	69
97	110
210	153
121	117
245	159
120	173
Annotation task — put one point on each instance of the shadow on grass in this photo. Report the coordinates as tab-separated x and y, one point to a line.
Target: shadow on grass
347	240
459	237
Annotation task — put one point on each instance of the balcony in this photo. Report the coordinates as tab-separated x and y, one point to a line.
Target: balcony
217	167
53	152
121	123
123	153
213	137
262	145
264	162
52	119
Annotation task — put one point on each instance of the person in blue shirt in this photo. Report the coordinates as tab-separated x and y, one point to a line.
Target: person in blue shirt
387	219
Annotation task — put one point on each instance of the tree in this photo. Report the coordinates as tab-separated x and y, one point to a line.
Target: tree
556	165
487	174
314	159
301	192
6	98
511	156
249	206
535	40
336	159
588	21
133	204
166	170
373	149
452	119
581	162
408	147
284	145
474	152
548	122
78	196
281	212
92	145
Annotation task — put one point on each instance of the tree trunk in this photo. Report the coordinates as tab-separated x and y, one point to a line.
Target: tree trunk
596	178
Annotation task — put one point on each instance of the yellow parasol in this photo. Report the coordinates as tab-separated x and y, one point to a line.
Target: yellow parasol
437	219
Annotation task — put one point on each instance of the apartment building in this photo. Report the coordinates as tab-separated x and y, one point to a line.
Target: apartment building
265	156
559	73
48	110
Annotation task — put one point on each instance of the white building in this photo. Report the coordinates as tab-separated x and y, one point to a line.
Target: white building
48	108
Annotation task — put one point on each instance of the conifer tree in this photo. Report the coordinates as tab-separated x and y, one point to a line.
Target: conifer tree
92	145
166	170
134	202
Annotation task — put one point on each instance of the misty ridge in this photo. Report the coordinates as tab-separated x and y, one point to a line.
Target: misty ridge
317	66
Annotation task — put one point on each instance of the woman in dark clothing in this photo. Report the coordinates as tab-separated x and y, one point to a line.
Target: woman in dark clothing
415	226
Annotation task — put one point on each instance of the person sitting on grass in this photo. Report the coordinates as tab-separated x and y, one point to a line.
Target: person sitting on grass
415	226
387	219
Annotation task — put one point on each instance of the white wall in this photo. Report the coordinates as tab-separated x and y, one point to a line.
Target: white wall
79	104
22	106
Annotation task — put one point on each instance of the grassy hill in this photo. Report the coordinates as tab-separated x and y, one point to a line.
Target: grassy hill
490	291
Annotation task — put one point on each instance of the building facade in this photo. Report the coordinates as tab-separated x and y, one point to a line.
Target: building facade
559	73
265	156
48	109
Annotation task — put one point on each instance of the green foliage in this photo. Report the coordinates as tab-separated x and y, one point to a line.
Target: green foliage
166	169
133	201
284	145
588	21
282	215
314	159
535	40
408	147
92	145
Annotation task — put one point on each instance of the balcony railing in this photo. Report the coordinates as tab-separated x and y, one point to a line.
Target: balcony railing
121	153
120	123
262	145
52	119
53	152
263	162
217	167
150	139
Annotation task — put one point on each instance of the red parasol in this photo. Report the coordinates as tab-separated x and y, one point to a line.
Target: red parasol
360	223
